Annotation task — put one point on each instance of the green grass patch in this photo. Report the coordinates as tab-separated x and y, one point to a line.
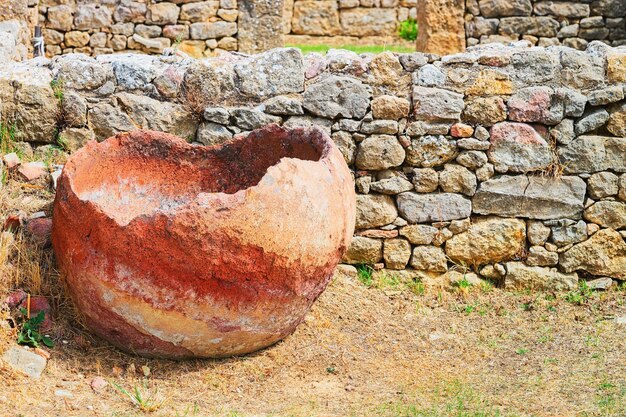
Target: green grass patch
7	138
451	400
359	49
408	29
364	274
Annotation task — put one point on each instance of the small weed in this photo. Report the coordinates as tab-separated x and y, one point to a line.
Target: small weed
365	274
7	138
62	142
581	296
459	401
463	283
408	29
57	89
331	370
592	341
144	399
611	399
417	287
186	413
469	309
486	286
177	41
521	351
29	333
388	281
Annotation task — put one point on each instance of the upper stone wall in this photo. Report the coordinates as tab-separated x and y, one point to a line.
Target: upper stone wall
204	28
509	161
347	21
198	28
546	22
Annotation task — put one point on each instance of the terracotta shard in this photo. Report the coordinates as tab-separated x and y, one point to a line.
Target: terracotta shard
173	250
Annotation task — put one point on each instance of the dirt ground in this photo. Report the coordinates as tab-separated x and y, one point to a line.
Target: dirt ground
388	349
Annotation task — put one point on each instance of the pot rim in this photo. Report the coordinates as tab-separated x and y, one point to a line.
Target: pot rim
318	138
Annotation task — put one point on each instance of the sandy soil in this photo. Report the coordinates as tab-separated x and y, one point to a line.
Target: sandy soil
385	350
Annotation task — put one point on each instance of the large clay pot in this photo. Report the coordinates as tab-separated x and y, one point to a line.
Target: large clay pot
174	250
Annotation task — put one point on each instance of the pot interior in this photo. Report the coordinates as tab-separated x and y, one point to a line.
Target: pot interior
144	172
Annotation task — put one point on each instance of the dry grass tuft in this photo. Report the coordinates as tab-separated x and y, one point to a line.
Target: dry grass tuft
193	102
556	168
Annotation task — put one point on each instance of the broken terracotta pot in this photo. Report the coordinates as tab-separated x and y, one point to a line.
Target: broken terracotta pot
174	250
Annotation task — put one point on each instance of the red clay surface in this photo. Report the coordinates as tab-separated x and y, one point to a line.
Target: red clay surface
174	250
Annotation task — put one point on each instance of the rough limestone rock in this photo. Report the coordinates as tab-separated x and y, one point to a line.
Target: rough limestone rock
430	151
594	154
106	120
334	96
602	184
617	119
148	113
209	82
603	254
532	197
390	107
24	361
500	8
419	234
80	72
591	120
488	240
517	147
607	214
315	18
257	23
210	134
536	104
457	179
533	26
284	105
217	278
537	232
441	28
368	21
28	101
397	253
379	152
425	180
429	258
565	232
364	250
422	208
279	71
395	185
540	256
436	104
485	111
524	277
374	210
10	9
388	76
249	119
346	145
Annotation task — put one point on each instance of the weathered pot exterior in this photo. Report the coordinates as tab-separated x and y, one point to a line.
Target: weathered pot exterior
173	250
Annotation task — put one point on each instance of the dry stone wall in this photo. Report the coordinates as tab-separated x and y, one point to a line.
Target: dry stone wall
14	31
347	21
197	28
546	22
509	161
